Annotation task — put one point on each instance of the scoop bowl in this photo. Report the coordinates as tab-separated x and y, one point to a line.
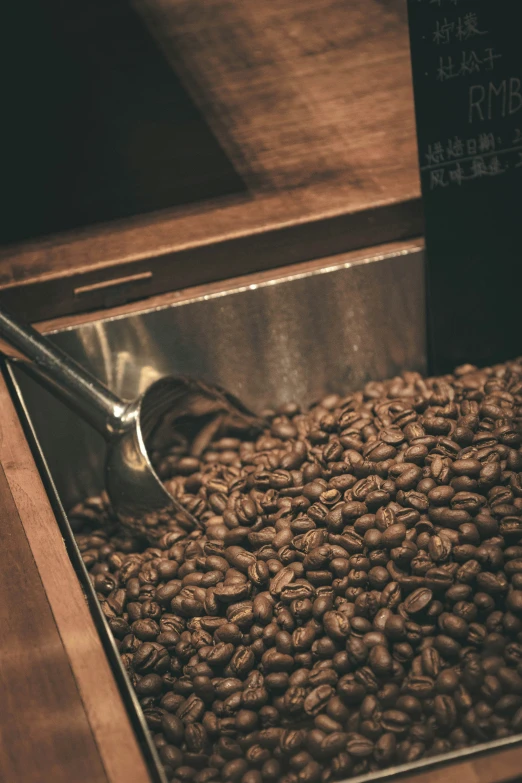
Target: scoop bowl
134	430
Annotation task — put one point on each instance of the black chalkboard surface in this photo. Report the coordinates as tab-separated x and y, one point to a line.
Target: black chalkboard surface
467	75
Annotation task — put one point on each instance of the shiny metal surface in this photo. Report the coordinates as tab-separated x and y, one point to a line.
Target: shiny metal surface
293	338
53	368
137	495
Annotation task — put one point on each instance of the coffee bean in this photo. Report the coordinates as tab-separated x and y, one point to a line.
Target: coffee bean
395	721
196	738
336	625
380	661
258	573
241	614
453	625
431	662
220	654
445	712
173	729
391	596
409	478
274	661
360	575
242	661
439	548
171	755
310	773
358	746
317	699
410	705
394	535
349	691
232	592
191	711
510	680
299	590
149	685
418	600
385	748
419	686
252	776
234	770
448	647
447	681
514	601
334	743
492	584
145	630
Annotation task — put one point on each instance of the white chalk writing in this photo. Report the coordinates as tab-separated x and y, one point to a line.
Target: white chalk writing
455	148
495	100
469	61
463	49
438	179
476	168
464	28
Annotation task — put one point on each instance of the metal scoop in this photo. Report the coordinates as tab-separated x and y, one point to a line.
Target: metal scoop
132	429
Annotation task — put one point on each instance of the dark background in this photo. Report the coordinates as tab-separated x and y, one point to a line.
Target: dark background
95	123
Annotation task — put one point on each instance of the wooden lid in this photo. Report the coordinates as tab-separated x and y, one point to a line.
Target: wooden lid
288	136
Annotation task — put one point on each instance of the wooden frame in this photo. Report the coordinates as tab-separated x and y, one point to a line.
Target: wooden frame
62	716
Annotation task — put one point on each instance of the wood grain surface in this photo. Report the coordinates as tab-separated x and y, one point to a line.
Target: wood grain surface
503	766
117	133
44	729
311	101
62	717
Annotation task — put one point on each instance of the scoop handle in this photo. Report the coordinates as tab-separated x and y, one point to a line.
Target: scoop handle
65	379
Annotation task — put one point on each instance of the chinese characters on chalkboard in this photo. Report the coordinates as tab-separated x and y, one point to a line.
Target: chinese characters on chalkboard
462	47
460	160
467	78
463	29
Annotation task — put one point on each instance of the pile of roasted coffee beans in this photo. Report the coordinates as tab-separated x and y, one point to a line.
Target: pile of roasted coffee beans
356	600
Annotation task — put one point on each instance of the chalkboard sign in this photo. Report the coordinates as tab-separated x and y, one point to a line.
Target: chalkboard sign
467	74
